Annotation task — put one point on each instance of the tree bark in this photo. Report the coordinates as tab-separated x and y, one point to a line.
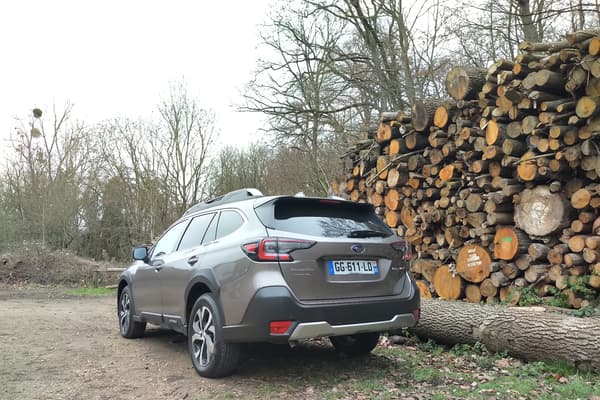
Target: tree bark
529	333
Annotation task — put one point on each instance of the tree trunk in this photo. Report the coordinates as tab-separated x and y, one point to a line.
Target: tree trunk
423	289
529	333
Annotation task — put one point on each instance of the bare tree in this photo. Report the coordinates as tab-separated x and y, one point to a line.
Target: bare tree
48	167
493	29
182	139
152	172
378	52
134	201
235	168
299	88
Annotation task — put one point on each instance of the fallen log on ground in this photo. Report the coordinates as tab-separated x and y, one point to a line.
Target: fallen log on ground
528	333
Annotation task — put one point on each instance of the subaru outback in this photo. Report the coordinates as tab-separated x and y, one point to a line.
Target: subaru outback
249	268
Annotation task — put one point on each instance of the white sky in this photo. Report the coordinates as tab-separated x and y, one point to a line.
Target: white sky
115	58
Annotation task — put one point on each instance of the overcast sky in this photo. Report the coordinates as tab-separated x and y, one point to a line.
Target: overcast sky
117	58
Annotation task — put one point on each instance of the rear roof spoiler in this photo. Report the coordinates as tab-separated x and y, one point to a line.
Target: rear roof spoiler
330	199
236	195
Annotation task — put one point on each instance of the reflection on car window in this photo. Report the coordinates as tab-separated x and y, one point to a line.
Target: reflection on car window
168	242
195	232
229	221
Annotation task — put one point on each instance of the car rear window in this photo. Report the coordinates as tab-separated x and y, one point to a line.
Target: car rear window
320	217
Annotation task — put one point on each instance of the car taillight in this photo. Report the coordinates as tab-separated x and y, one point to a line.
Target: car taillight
405	248
275	249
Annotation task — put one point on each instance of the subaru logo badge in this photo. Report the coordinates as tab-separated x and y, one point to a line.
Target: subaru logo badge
357	248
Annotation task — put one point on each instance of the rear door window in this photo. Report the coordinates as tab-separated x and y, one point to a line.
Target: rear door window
322	217
195	231
229	221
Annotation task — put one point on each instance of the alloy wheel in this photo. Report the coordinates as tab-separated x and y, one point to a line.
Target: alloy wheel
203	337
124	312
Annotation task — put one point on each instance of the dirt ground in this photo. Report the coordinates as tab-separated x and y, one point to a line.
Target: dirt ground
59	346
56	346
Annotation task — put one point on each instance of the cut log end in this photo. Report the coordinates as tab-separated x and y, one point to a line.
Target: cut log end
441	117
541	212
587	106
527	168
447	285
464	83
473	263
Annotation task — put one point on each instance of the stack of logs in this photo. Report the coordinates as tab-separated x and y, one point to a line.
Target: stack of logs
498	188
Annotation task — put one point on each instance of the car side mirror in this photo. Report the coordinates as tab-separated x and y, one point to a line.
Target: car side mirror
139	253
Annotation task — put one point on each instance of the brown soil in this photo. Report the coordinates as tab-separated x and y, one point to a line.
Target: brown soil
36	264
56	346
60	346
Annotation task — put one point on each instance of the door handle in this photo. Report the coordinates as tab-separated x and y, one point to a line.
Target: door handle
192	260
157	264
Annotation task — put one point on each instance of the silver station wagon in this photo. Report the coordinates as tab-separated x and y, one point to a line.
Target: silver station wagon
250	268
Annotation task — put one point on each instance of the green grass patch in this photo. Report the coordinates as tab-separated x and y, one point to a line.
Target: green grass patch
92	291
427	374
473	372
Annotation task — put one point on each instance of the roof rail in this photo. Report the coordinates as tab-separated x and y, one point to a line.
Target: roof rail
236	195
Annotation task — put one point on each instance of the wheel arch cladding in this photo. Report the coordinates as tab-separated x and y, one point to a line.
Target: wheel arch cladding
122	284
196	289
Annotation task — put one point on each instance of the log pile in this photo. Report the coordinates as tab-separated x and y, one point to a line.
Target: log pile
498	188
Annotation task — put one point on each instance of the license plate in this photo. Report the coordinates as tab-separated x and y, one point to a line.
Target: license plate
348	267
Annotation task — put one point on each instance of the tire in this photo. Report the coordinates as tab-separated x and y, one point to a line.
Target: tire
355	345
128	326
211	356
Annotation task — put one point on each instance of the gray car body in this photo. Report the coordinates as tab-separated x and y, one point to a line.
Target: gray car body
164	288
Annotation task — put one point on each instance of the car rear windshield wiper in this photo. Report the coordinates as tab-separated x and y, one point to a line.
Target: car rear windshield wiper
366	234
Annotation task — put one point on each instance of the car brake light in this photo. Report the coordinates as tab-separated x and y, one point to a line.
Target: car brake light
327	201
275	249
279	327
404	247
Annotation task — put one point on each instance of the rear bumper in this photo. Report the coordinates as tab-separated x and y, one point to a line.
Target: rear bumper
323	319
306	330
